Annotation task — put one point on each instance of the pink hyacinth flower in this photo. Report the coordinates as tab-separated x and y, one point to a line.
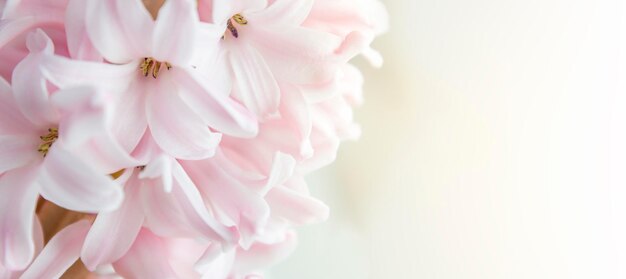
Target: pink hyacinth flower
152	75
58	147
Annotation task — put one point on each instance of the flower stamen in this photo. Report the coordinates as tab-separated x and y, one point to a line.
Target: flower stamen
152	66
48	140
239	19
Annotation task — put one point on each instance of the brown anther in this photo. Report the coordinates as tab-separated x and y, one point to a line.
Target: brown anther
239	19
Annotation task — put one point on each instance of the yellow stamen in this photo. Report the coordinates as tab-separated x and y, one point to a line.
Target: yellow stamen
117	174
240	19
152	66
48	140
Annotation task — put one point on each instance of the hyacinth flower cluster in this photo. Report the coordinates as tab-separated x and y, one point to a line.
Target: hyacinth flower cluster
170	141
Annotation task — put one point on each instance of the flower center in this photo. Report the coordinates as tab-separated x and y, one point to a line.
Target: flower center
152	66
48	140
239	19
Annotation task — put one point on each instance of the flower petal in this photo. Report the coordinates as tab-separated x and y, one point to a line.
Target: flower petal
113	233
64	72
18	199
262	256
78	42
175	32
177	130
298	208
29	84
129	122
232	202
254	83
119	29
298	55
60	253
13	121
215	107
196	211
16	151
284	12
147	258
76	185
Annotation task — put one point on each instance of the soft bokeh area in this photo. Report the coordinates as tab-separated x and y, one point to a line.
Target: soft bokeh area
494	146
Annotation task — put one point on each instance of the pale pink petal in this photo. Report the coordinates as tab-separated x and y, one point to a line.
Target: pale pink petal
50	10
216	108
224	9
64	72
114	232
177	129
129	122
175	32
163	214
298	55
284	13
13	121
106	154
298	208
60	253
232	202
147	150
215	263
195	209
78	42
82	112
18	198
296	116
254	83
147	258
13	28
120	29
16	151
85	117
76	185
29	84
262	256
160	168
282	169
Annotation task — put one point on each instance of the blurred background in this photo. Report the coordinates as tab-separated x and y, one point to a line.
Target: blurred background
494	146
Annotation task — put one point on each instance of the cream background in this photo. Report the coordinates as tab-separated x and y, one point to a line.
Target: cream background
494	146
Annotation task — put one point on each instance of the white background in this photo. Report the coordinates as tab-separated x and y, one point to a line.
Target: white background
494	146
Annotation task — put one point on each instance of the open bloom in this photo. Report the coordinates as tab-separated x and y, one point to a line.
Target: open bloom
150	73
56	146
177	141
